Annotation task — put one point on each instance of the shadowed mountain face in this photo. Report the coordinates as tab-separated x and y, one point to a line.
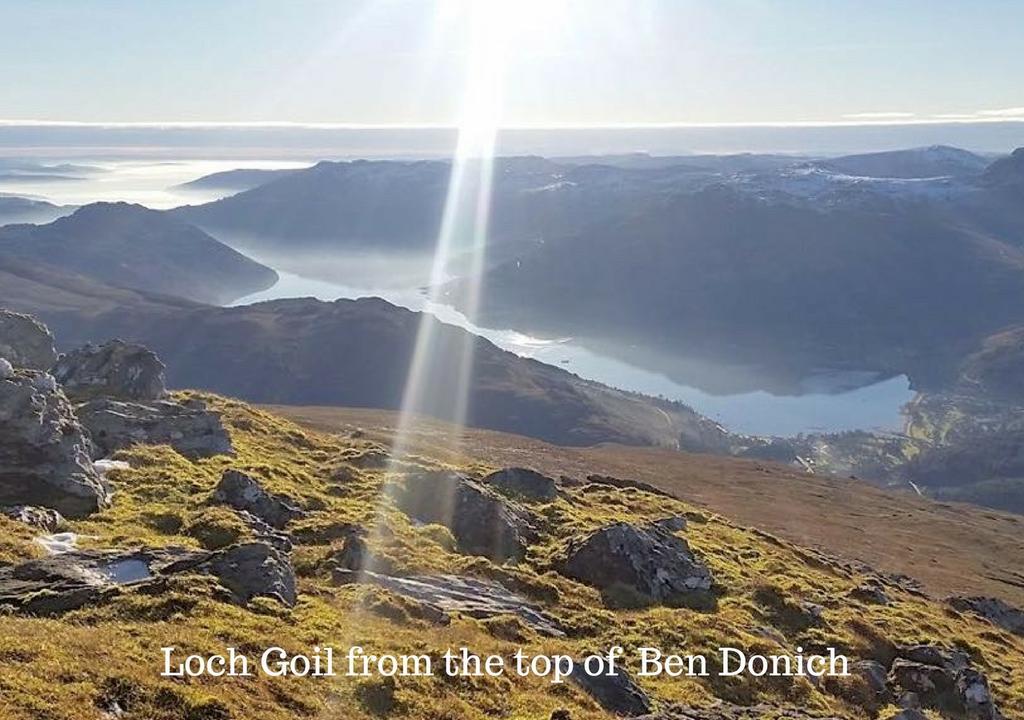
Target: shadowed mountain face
722	274
129	246
354	353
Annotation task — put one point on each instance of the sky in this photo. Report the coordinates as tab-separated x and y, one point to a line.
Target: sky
562	62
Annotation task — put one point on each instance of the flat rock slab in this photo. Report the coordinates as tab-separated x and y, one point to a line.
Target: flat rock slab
70	580
187	427
480	599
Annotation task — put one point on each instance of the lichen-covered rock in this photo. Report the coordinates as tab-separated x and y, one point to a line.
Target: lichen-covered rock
115	369
650	560
254	569
46	519
244	492
926	676
617	694
996	611
482	522
25	342
44	455
521	482
188	427
71	580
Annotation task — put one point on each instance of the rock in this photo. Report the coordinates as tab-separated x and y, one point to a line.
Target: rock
46	519
188	427
479	599
932	677
25	342
909	714
353	554
876	681
44	455
71	580
871	592
524	483
6	369
244	492
675	523
726	711
481	522
264	532
650	560
115	369
617	694
254	569
996	611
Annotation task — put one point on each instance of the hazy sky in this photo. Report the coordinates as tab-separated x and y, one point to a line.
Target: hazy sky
567	61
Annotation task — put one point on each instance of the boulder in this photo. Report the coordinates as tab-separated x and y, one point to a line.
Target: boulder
25	342
482	522
244	492
44	454
46	519
115	369
650	560
254	569
188	427
927	676
524	483
617	694
996	611
354	554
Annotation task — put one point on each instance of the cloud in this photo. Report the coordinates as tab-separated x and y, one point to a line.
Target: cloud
879	116
1004	112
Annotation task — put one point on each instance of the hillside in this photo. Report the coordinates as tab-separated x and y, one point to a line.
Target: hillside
951	548
131	247
304	351
769	595
721	275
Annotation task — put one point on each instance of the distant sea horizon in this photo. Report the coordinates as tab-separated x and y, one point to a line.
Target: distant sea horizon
334	141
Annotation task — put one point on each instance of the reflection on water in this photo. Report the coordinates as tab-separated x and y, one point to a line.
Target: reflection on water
827	404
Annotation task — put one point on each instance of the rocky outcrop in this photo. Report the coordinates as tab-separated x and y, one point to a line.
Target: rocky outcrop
524	483
254	569
188	427
650	561
482	522
245	493
25	342
617	694
46	519
44	455
479	599
996	611
115	369
727	711
71	580
926	676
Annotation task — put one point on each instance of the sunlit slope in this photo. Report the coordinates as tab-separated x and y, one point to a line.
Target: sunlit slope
109	653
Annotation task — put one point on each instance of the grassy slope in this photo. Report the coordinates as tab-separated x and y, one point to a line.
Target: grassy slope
949	547
63	668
